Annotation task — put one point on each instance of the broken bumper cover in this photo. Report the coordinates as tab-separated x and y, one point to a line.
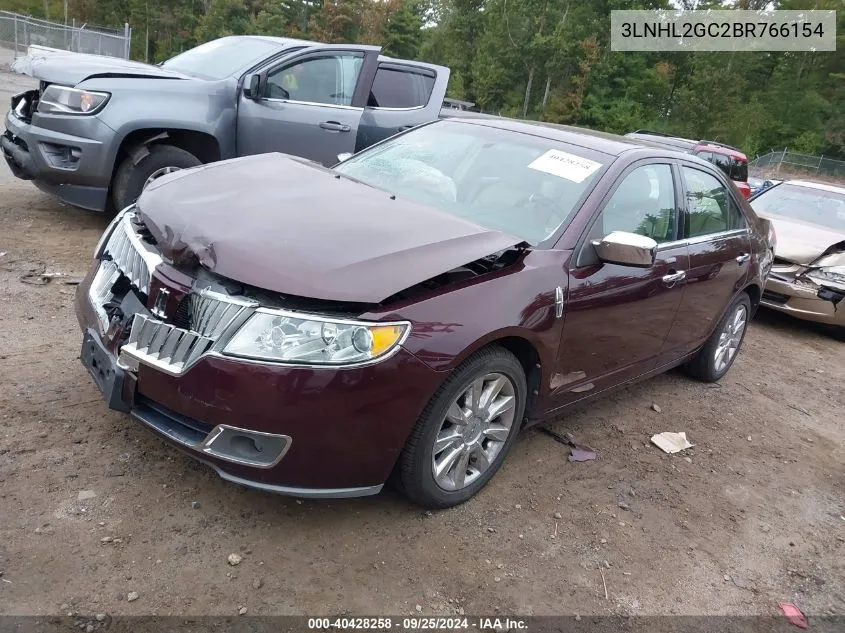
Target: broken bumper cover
805	300
72	165
297	431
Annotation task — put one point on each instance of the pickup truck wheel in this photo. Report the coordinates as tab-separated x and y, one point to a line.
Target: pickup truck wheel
465	432
131	179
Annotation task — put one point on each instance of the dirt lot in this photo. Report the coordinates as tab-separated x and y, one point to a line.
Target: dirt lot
94	507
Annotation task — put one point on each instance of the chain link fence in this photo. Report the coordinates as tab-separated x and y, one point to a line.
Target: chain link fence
784	160
18	32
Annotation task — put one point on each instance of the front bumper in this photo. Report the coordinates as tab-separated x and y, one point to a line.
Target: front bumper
343	429
801	299
34	152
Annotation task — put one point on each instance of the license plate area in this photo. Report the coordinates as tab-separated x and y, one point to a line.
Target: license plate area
103	367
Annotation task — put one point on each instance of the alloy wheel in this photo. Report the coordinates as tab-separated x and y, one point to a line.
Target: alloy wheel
158	173
474	431
730	338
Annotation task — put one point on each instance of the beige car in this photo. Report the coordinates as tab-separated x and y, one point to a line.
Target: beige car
807	279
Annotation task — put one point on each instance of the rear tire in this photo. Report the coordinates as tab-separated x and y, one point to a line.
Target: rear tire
131	179
715	359
482	445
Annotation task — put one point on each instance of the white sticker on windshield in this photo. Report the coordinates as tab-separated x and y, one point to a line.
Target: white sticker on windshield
565	165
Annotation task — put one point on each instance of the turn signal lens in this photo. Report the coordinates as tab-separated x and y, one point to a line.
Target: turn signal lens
385	337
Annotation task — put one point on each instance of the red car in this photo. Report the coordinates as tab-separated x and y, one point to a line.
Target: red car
729	159
315	331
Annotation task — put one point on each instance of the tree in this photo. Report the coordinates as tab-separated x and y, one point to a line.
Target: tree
402	32
542	59
224	17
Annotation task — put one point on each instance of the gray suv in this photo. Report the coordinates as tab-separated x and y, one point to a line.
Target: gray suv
98	129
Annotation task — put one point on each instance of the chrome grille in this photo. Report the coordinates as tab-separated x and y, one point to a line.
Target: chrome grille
164	346
173	349
211	313
135	258
99	294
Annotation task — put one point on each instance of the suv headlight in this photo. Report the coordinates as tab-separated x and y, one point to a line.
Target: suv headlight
290	337
835	274
65	100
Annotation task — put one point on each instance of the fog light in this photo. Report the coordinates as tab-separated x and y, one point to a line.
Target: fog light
251	448
61	156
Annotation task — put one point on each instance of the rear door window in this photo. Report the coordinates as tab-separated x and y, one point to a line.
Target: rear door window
739	170
722	162
397	87
710	208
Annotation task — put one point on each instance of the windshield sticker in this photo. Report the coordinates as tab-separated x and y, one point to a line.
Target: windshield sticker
565	165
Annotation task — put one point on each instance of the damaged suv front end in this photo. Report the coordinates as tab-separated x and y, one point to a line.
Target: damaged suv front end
807	279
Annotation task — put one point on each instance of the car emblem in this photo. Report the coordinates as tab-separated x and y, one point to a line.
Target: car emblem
161	302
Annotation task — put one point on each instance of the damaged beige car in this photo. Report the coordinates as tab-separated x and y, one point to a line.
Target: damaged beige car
807	279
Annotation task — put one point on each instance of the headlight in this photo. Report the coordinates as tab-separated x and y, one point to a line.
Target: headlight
835	274
291	337
64	100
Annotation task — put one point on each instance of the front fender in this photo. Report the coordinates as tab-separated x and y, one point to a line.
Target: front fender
161	104
518	302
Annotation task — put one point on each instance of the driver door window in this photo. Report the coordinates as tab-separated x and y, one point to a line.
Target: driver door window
643	203
327	79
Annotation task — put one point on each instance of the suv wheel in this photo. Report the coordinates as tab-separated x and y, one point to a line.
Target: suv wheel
131	179
465	432
719	352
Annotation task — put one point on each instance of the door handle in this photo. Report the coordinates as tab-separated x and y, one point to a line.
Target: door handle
334	126
743	258
671	278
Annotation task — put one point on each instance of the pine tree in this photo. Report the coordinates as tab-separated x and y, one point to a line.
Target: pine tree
402	34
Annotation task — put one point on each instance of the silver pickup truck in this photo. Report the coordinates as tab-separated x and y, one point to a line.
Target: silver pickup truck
98	129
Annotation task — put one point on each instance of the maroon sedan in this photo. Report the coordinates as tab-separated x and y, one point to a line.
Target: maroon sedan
404	315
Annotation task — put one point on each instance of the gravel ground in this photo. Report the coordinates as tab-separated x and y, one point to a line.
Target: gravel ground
99	516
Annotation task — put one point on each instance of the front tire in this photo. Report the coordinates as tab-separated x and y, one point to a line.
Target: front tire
131	179
465	432
720	351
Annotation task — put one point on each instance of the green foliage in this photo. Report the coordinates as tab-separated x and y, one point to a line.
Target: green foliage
275	19
543	59
402	33
224	17
808	142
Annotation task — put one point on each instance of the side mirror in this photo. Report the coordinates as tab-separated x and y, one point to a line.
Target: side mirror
253	88
627	249
344	156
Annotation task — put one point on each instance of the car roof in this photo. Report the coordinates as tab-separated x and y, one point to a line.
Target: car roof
720	149
285	42
612	144
823	186
661	139
702	145
281	41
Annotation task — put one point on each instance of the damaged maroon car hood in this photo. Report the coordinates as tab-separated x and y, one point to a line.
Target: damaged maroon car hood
287	225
